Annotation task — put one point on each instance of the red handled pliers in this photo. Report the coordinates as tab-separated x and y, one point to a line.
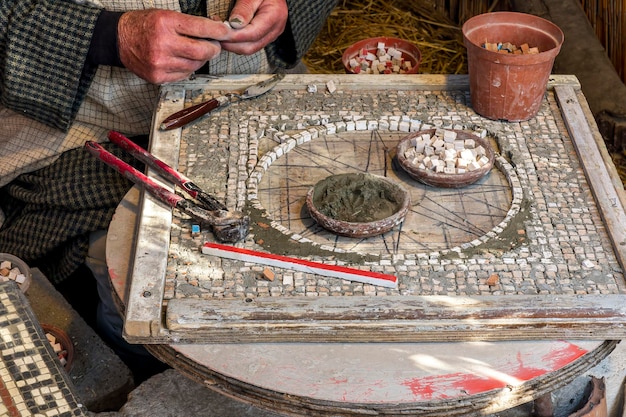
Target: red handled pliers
227	226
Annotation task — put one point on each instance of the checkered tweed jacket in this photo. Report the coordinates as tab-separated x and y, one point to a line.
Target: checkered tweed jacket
53	195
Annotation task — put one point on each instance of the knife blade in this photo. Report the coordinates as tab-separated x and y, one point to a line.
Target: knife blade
188	115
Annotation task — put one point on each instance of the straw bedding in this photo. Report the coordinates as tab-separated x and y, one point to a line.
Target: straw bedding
437	36
433	25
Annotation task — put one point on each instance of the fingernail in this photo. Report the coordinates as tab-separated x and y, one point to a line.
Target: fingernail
236	22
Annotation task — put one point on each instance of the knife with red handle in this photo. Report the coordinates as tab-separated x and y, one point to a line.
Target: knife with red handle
188	115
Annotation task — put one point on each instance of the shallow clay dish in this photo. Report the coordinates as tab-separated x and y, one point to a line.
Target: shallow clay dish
435	179
22	266
358	204
409	51
65	341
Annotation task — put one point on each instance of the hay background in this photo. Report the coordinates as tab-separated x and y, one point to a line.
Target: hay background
433	25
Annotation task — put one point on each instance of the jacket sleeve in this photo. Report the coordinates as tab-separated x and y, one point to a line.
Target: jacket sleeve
306	19
43	50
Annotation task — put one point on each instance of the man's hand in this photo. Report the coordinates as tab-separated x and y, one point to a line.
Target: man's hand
161	46
257	23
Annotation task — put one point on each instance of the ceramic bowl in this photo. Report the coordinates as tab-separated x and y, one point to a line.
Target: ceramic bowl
23	268
409	51
444	180
67	347
358	204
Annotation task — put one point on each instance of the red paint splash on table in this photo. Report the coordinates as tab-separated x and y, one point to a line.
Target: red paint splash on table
452	384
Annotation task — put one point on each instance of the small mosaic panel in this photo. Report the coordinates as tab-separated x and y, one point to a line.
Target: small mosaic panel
32	380
530	227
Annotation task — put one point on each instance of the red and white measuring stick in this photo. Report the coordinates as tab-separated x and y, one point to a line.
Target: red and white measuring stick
280	261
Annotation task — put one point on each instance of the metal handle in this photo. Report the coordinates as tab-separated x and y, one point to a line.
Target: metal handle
133	174
146	157
166	171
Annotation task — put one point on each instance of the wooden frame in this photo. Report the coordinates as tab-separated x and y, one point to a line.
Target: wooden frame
404	318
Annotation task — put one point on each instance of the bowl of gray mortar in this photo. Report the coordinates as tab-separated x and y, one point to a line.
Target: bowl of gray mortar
358	204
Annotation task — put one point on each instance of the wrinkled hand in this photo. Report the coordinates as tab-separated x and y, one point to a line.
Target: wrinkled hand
163	45
256	24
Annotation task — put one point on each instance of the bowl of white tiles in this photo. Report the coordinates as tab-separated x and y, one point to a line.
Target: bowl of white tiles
358	204
382	55
14	269
445	158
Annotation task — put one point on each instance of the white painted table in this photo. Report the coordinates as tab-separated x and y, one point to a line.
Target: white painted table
330	379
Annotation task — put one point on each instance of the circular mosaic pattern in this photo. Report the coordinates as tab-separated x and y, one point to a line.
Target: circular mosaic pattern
438	220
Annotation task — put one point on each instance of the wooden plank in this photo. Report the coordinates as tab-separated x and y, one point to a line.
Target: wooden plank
397	82
624	402
398	318
595	166
145	297
601	145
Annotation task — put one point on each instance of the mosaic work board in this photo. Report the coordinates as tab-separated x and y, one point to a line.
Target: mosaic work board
534	250
32	379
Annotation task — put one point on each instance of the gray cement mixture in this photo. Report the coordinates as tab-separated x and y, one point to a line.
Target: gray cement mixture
357	198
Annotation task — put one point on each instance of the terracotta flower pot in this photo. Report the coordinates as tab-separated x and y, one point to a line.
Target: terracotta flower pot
506	86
